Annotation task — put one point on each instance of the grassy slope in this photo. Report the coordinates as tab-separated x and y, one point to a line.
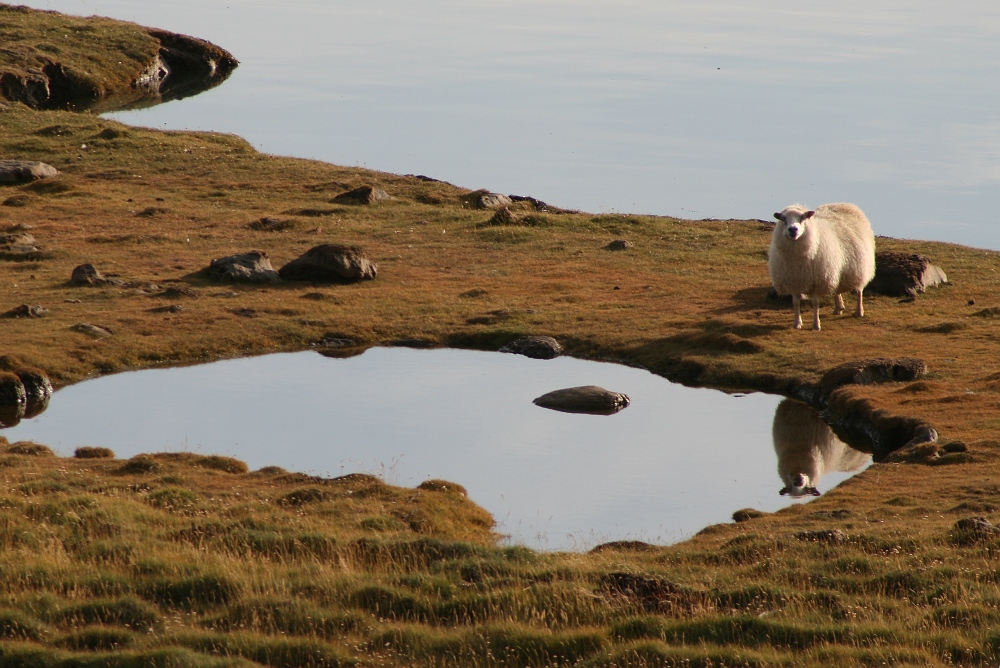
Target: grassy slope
153	207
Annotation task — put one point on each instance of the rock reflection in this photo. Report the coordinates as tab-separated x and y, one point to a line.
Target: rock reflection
807	448
23	394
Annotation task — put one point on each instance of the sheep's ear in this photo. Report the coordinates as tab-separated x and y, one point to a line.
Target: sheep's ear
779	216
808	214
783	491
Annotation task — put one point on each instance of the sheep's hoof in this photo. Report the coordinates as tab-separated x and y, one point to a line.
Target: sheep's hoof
838	311
797	325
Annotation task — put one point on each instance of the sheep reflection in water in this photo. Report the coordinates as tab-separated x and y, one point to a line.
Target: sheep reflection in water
807	448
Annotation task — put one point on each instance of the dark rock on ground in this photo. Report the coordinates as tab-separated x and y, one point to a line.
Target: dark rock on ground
589	399
484	199
362	195
14	172
178	292
267	224
171	308
250	267
973	530
246	312
619	244
623	546
535	347
328	263
873	371
152	212
502	217
87	274
904	274
25	311
747	514
93	331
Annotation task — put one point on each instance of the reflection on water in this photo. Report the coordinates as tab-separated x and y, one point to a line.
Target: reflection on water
807	449
675	461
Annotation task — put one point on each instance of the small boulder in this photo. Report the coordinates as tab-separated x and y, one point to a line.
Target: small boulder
87	274
93	331
904	274
484	199
589	399
17	239
619	244
330	263
535	347
15	172
974	530
268	224
250	267
25	311
362	195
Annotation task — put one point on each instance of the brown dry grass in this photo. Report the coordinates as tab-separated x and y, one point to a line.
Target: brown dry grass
688	301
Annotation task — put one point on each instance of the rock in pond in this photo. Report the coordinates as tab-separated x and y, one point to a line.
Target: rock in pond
904	274
15	172
13	399
535	347
330	263
589	399
250	267
37	389
362	195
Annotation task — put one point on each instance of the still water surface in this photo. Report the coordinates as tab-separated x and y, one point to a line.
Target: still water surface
696	109
674	461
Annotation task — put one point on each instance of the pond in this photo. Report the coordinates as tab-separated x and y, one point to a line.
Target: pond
675	460
691	109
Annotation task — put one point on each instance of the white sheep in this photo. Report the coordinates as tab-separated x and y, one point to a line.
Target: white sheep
819	253
807	448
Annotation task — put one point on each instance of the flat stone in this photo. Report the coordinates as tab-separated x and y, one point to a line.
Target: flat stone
93	331
535	347
873	371
25	311
250	267
904	274
268	224
17	239
362	195
330	263
15	172
484	199
589	399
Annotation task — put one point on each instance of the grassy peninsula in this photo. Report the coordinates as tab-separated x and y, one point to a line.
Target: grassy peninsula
171	560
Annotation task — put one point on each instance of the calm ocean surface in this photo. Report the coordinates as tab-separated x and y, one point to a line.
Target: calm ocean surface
690	109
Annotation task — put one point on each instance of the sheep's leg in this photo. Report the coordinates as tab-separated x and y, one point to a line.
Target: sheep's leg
838	306
797	303
815	302
860	313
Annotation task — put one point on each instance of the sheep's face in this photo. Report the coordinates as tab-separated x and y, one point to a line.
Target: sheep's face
793	222
799	485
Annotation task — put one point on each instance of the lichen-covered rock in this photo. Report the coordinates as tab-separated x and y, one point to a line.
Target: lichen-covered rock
362	195
535	347
904	274
330	263
15	172
484	199
250	267
589	399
